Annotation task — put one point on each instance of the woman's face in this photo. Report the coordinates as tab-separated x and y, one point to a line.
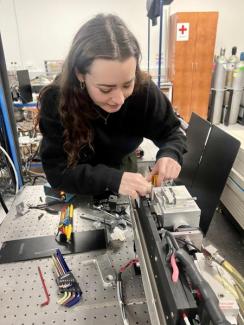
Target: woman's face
110	82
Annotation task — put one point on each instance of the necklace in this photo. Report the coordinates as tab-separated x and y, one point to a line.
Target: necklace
105	118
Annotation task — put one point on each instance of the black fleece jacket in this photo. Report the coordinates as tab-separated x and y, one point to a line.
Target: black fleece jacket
147	113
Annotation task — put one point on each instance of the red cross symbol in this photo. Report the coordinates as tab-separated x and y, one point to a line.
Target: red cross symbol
183	29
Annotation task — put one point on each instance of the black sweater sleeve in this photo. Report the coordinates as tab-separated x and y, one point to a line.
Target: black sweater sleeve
81	179
162	126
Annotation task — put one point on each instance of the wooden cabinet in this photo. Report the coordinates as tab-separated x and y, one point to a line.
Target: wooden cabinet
190	60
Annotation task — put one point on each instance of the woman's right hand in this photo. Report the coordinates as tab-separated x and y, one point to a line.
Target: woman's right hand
134	184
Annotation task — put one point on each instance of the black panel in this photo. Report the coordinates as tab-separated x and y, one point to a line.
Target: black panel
207	164
39	247
196	137
215	166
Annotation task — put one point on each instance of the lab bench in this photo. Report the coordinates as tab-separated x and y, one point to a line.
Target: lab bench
21	291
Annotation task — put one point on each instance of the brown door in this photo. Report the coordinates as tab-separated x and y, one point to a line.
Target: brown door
203	61
181	63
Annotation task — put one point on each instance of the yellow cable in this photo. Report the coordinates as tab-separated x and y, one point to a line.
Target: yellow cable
240	299
227	285
71	211
69	231
62	299
67	298
235	274
234	290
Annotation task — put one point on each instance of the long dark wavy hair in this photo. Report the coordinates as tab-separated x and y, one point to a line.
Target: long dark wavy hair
106	37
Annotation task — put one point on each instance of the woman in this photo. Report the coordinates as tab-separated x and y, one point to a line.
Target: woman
97	112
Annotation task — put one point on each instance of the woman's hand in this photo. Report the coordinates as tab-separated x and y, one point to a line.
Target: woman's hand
165	168
134	184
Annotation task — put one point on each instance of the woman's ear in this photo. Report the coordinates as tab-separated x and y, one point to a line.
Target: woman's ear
79	75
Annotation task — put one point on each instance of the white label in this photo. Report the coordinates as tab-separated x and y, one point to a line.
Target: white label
182	32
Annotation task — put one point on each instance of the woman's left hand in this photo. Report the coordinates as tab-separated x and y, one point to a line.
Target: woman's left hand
165	168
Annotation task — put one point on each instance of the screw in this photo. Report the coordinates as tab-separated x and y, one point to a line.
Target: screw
40	216
110	277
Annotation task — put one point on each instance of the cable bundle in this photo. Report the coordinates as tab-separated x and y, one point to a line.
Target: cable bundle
66	282
119	288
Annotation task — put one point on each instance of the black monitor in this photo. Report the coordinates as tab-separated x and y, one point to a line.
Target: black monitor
25	91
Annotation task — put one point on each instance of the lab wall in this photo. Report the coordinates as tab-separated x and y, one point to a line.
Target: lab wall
34	31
